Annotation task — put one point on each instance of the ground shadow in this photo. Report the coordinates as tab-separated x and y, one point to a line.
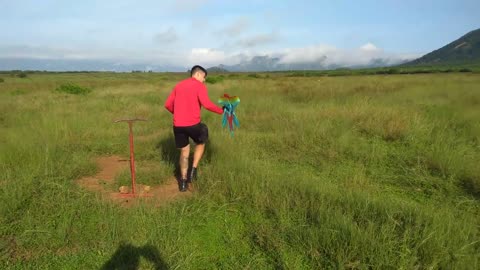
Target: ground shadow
171	154
468	184
128	256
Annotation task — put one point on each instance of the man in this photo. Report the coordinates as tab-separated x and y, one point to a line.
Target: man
185	102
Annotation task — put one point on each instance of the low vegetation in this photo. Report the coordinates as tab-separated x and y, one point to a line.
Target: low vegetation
73	89
325	172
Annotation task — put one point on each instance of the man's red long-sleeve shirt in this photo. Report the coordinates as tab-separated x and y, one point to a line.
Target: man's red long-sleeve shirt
185	102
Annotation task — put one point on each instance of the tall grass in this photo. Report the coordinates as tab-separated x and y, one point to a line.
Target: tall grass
325	172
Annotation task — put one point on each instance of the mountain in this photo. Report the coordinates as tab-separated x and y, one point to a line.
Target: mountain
218	69
465	50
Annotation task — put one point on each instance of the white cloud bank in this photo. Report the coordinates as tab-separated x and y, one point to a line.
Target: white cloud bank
331	55
327	54
205	56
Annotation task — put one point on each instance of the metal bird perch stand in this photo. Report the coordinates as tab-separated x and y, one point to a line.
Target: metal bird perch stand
132	157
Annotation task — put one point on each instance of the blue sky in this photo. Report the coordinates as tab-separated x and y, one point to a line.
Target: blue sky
212	32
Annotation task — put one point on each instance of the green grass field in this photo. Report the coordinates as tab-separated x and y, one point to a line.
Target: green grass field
355	172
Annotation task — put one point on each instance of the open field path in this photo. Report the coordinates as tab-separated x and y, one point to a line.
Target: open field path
103	183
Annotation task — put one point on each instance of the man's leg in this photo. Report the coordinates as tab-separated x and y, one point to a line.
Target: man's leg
200	138
197	156
183	162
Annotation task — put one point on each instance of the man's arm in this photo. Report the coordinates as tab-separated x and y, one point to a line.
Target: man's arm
205	101
170	101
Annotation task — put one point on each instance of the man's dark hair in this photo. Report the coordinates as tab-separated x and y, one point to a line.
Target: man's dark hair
196	69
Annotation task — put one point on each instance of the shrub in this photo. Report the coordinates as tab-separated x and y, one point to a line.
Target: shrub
2	80
73	89
22	75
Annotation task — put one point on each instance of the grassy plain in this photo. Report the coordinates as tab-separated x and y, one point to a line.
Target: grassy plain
355	172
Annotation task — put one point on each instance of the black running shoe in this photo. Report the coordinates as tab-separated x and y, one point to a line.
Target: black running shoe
192	176
183	185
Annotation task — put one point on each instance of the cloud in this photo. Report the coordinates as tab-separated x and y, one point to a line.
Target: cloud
214	57
327	55
331	55
369	47
168	36
257	40
236	28
307	54
205	56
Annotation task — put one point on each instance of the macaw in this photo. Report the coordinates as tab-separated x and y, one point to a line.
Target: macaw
229	104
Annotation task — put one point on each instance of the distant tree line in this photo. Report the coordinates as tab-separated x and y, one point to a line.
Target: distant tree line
381	71
142	71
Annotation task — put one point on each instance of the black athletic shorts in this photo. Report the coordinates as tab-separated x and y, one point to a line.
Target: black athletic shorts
198	133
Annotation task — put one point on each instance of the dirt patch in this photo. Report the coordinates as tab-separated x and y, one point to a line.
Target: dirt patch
103	183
